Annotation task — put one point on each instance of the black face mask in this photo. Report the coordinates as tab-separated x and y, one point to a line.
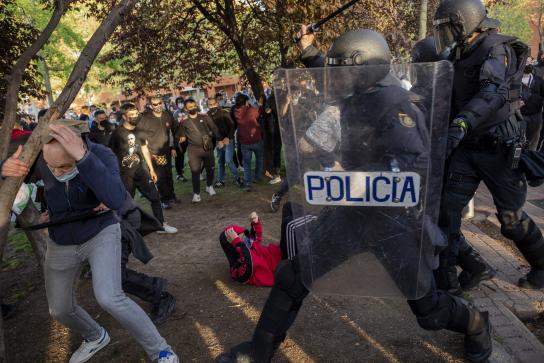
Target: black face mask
192	112
133	120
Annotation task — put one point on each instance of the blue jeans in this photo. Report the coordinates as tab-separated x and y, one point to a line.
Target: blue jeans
225	156
247	150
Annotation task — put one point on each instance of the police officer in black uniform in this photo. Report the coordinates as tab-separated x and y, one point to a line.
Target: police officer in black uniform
382	95
474	268
485	136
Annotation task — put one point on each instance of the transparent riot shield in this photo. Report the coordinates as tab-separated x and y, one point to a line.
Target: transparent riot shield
365	151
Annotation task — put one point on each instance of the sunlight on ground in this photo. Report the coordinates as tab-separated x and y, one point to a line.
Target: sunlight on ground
208	335
360	331
439	352
59	347
252	314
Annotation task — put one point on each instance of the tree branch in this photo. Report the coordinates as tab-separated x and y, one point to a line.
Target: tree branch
15	78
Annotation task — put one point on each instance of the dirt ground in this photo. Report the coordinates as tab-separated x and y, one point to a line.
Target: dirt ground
213	312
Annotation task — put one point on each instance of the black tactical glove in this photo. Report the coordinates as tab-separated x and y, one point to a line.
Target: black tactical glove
456	133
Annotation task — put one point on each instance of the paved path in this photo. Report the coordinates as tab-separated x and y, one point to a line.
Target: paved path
505	302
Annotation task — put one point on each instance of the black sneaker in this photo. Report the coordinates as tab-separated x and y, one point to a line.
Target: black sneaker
275	202
163	309
219	184
166	205
181	178
239	182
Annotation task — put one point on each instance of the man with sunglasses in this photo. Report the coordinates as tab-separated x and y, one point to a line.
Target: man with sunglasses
157	125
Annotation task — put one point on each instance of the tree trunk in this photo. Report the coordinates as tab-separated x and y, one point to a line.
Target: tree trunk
38	239
16	76
11	185
46	81
423	19
252	76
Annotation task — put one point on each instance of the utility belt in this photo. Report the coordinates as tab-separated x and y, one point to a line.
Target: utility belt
508	138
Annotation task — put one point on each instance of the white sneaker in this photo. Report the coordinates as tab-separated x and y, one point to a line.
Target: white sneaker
168	357
196	198
275	180
88	349
211	191
168	229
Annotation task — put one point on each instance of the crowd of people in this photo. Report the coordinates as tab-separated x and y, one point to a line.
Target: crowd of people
376	120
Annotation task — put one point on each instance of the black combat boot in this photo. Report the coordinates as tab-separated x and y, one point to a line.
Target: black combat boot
465	318
529	240
478	345
475	269
446	275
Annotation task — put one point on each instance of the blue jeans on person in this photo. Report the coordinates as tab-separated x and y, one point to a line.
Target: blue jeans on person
226	156
247	152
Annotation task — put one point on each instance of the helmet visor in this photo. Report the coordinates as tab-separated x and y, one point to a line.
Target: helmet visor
444	36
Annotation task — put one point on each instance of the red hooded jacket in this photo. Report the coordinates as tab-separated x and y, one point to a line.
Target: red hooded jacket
257	262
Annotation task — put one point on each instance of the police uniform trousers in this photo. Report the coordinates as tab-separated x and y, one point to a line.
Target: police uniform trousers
467	168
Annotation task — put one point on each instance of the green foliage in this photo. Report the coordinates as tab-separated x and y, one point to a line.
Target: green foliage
69	38
20	243
514	19
16	34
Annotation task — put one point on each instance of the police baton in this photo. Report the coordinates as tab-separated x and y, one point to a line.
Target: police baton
314	27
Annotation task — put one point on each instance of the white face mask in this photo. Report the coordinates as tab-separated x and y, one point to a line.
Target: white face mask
526	79
68	176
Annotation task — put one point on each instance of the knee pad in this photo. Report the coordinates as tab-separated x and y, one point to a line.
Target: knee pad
514	224
288	279
440	310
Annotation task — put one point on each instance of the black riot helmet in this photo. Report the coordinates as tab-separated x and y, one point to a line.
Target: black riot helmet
456	20
424	51
361	47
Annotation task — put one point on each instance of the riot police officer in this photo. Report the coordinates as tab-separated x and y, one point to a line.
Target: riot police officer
392	107
474	268
485	136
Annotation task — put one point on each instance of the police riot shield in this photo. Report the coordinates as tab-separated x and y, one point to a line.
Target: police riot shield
365	150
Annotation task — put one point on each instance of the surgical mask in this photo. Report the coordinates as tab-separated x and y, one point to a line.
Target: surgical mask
68	176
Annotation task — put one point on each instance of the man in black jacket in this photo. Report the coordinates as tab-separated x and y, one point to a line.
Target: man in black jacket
225	155
532	94
157	125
